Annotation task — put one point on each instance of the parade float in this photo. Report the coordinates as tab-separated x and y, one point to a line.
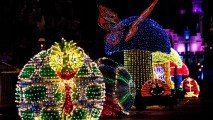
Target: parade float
60	83
191	87
137	37
63	83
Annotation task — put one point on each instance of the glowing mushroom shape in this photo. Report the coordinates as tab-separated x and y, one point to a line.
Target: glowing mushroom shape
137	37
135	32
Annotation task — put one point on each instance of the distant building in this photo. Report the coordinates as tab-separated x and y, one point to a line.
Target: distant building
188	40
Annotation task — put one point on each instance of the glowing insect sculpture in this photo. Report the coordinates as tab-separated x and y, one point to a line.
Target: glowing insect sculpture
135	32
61	83
66	58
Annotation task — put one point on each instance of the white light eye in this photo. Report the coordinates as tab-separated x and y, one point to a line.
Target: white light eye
73	58
58	59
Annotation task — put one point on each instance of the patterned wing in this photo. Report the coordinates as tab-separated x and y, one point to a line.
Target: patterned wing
107	18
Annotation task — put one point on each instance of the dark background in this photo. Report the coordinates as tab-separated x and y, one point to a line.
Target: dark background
22	25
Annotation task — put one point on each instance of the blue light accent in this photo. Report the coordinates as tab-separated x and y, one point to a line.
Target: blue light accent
179	79
202	75
160	72
187	33
150	36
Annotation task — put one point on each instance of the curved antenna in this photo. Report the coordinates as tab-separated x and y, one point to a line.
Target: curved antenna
133	29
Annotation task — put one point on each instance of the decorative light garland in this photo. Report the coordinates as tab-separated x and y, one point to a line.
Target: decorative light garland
139	65
120	88
36	95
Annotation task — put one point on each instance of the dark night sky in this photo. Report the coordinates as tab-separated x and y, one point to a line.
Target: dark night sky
18	21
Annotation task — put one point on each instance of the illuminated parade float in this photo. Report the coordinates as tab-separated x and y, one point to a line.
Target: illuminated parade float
60	83
63	83
138	37
156	68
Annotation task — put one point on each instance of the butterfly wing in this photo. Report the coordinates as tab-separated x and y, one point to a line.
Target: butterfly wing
107	18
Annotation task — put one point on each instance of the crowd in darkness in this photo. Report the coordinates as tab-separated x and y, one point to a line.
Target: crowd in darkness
23	22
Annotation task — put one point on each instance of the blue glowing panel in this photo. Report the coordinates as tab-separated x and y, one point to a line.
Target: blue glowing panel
160	72
150	36
179	79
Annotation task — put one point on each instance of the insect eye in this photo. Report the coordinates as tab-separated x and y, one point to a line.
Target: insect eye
58	59
72	58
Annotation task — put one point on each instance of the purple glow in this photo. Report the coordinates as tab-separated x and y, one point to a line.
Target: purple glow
194	47
197	10
182	11
197	7
180	48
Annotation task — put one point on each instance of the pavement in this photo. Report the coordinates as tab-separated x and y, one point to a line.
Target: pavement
186	109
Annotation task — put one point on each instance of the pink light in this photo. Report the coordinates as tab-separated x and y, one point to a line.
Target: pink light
194	47
180	48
